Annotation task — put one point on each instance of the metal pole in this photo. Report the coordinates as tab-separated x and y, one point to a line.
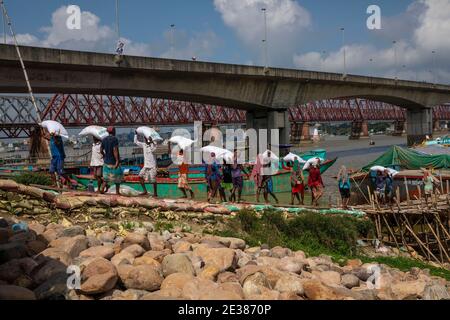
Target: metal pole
266	55
4	26
395	59
30	91
343	46
434	66
172	41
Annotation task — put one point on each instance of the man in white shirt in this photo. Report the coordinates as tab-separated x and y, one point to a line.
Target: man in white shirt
149	171
97	163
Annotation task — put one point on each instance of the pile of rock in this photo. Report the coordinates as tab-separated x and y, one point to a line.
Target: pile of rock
148	265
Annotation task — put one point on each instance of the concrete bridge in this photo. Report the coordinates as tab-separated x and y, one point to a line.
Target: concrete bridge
265	93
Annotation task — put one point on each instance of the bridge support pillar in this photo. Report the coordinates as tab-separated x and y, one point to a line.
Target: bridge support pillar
399	128
296	132
436	126
306	132
270	120
420	125
364	130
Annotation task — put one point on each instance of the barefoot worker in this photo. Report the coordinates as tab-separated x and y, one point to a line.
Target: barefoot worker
297	184
58	157
149	170
183	183
97	163
112	172
315	183
344	186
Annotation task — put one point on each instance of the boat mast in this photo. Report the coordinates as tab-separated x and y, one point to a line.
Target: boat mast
25	73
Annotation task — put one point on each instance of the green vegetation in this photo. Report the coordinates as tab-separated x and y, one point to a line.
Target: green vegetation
28	178
315	234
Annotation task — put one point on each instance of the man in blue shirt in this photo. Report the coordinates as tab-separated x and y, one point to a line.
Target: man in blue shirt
58	156
112	172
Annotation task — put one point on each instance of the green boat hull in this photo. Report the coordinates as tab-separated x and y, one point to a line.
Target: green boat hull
169	187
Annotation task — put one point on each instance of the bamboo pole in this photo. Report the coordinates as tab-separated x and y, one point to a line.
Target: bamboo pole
391	232
419	241
441	247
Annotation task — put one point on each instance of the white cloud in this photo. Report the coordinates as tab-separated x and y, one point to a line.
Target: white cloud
285	21
97	37
414	50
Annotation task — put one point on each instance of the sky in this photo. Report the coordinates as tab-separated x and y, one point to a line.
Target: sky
301	34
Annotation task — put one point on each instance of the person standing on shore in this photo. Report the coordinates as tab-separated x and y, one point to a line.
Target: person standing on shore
316	184
267	182
97	163
257	177
344	186
297	184
112	171
237	171
149	171
58	156
428	181
389	188
183	182
213	177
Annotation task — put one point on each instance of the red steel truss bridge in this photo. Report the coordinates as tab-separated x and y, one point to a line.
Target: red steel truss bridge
18	116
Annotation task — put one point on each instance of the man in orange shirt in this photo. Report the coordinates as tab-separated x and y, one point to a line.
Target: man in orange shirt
183	184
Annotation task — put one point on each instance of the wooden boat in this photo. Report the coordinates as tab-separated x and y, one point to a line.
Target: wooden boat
168	187
409	180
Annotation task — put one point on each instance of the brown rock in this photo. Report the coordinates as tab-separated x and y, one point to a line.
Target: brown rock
350	281
15	293
37	227
290	284
156	243
135	249
143	277
99	252
252	285
223	258
225	277
177	263
279	252
73	246
122	258
136	238
55	254
158	255
354	263
197	288
329	278
99	276
148	261
209	273
49	269
12	250
10	271
315	290
181	247
408	289
107	236
36	246
176	281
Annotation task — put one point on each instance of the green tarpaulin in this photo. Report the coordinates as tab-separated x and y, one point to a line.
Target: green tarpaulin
408	159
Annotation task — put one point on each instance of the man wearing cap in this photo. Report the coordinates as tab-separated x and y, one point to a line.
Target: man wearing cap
112	172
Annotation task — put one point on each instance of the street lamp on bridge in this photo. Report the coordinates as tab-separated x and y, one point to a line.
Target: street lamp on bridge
172	41
344	74
266	55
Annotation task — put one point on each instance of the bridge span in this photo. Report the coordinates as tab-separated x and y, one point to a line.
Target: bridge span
266	93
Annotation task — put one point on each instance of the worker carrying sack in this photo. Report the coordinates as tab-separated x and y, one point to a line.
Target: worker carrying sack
95	131
56	128
149	133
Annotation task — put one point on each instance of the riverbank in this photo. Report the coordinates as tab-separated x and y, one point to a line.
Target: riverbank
136	253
